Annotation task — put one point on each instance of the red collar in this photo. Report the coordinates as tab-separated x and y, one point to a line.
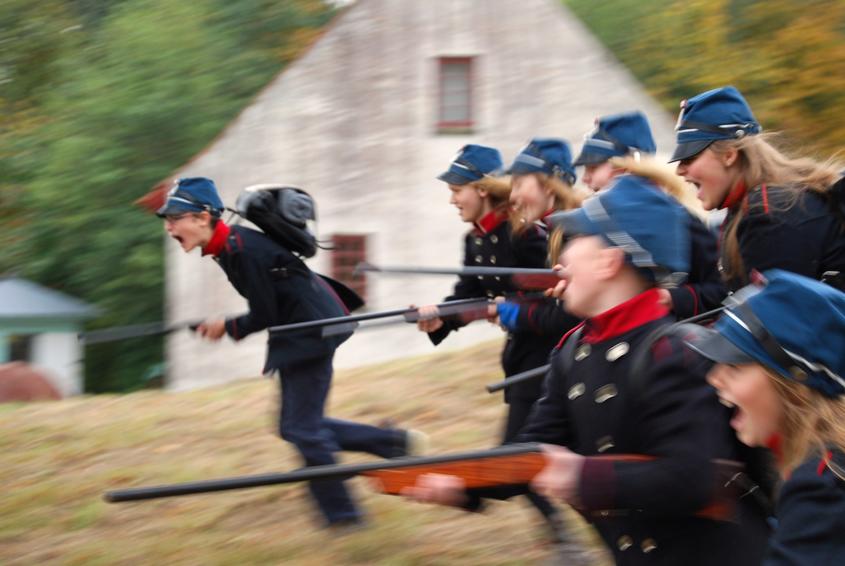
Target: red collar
490	221
624	317
734	195
775	444
218	239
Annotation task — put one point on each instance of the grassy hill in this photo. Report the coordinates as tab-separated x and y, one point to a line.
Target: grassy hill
59	457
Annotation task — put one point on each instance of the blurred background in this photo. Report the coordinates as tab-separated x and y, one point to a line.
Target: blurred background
362	103
104	100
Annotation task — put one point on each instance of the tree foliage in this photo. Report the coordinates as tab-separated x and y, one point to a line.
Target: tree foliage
786	56
100	101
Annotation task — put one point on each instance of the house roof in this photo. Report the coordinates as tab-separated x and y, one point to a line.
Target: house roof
20	298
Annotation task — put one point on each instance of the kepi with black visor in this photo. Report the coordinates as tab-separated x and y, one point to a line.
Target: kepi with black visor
473	163
649	226
790	324
617	135
192	194
549	156
718	114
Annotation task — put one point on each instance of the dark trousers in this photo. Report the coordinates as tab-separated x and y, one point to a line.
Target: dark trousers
518	411
304	390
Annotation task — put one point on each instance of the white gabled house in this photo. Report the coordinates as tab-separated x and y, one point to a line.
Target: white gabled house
365	121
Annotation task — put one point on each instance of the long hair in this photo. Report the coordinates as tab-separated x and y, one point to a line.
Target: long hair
566	197
663	176
761	162
812	423
498	189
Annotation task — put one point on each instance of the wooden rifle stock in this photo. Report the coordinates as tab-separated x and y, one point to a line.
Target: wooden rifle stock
511	464
486	467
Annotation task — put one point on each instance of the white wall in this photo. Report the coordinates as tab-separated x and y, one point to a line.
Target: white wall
352	122
59	355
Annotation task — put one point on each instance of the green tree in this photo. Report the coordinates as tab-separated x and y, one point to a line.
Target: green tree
124	93
786	56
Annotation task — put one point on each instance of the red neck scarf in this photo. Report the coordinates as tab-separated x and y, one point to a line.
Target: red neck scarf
624	317
734	195
490	221
218	239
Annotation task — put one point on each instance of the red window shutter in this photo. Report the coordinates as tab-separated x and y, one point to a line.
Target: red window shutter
348	250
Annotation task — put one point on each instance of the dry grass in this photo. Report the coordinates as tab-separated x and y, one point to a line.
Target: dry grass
59	457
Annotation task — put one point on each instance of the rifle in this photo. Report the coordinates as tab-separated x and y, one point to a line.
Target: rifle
115	333
467	310
527	278
518	378
511	464
542	370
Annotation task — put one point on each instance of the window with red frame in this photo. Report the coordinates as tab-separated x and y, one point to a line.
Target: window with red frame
348	250
455	96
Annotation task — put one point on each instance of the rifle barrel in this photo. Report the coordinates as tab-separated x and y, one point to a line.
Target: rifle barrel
518	378
490	271
308	474
116	333
368	316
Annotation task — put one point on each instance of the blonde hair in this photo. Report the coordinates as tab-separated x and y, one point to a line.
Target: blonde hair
812	423
760	163
498	189
566	197
664	176
661	175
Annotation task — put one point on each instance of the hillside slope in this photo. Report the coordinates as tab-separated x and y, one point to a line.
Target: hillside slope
59	457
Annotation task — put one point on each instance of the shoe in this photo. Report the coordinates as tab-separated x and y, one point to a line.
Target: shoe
409	442
416	442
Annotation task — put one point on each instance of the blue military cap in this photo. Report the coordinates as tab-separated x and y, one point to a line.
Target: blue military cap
545	155
616	135
634	215
718	114
192	194
472	163
791	324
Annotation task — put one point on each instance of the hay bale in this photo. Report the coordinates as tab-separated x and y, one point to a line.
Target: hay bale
21	382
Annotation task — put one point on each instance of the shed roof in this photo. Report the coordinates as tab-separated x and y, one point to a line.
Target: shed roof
20	298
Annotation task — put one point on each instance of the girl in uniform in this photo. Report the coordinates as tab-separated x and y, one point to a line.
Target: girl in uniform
781	212
612	391
780	364
622	144
480	193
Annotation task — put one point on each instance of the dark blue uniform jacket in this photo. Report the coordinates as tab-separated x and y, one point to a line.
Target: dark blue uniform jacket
597	405
804	236
704	289
279	289
492	244
811	515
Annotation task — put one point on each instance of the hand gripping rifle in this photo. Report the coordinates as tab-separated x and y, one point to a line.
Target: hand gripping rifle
511	464
467	310
526	278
